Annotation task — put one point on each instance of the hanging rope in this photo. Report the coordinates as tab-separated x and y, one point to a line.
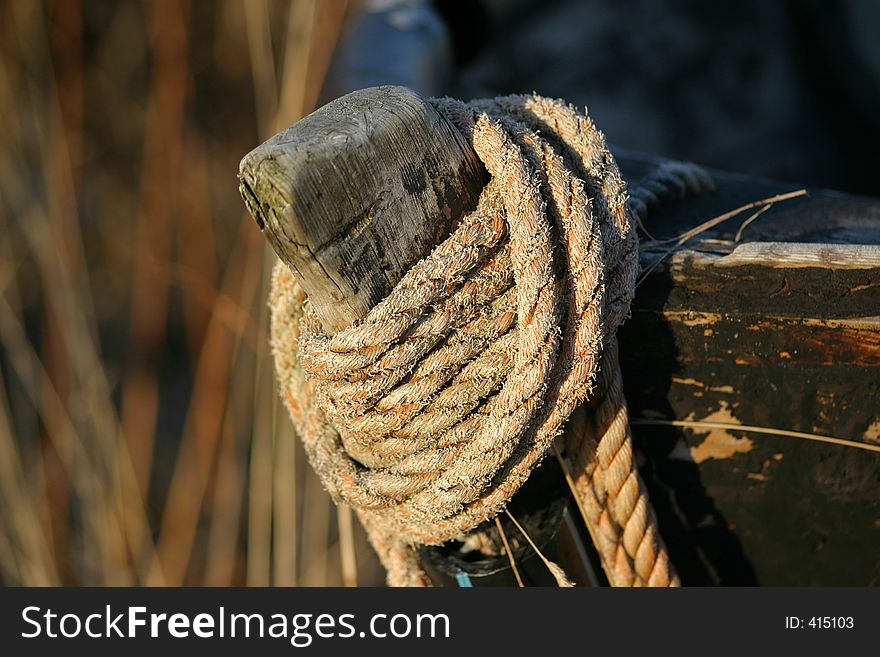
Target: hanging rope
428	414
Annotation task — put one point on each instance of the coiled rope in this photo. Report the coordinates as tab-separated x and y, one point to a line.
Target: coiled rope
429	413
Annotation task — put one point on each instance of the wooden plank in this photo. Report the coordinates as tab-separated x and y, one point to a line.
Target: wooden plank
790	255
711	283
773	335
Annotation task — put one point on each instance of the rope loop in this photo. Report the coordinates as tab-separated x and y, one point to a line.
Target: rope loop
429	413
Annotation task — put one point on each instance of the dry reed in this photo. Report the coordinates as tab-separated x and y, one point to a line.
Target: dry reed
140	436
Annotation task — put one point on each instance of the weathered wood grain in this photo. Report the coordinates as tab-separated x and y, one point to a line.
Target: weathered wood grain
771	334
791	255
354	194
783	287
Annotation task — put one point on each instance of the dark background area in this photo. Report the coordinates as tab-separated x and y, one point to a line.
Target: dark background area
789	90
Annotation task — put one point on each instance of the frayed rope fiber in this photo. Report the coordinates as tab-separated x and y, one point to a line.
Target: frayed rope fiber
428	414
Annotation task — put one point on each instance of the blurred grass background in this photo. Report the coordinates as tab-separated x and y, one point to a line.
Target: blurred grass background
141	439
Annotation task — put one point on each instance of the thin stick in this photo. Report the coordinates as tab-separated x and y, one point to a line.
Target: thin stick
347	554
554	568
641	226
754	429
509	552
225	513
706	225
577	500
748	221
295	70
721	218
283	500
259	543
315	530
262	61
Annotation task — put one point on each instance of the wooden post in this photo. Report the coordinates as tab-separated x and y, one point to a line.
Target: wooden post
354	194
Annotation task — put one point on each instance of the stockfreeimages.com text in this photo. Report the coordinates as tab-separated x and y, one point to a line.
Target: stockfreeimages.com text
299	629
